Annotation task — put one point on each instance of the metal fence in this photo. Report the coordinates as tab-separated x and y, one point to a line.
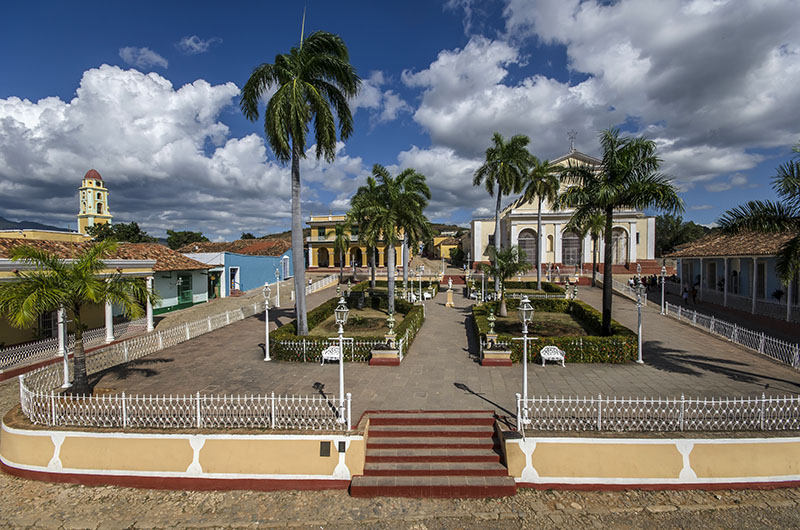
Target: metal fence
31	352
321	284
757	341
765	413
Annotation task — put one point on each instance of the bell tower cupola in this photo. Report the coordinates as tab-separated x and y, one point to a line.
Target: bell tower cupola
93	197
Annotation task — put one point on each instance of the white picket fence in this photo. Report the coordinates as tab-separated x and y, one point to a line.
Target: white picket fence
765	413
757	341
15	356
321	284
622	288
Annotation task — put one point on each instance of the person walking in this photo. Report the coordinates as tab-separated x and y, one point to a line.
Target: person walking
685	296
694	295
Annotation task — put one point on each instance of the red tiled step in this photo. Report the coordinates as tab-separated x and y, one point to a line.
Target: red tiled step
384	362
433	486
431	455
430	431
416	442
392	469
432	418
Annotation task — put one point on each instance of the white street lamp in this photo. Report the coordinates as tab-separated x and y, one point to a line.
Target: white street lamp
663	281
267	292
639	272
525	316
278	287
341	312
419	277
639	296
62	344
483	287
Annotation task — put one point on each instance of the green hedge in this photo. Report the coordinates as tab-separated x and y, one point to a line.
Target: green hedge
301	349
620	347
547	287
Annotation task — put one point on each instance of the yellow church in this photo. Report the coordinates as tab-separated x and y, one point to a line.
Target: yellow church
320	245
93	197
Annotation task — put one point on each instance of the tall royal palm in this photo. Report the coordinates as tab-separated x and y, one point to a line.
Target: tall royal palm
364	197
541	181
53	283
782	216
592	225
341	243
313	82
627	177
396	203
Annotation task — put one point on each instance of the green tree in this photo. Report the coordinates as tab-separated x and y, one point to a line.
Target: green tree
176	240
102	232
505	264
593	226
53	283
627	177
541	182
341	242
770	217
398	202
247	235
672	231
313	81
123	232
357	216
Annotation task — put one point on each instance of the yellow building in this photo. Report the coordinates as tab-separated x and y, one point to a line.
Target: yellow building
44	235
93	197
442	245
320	245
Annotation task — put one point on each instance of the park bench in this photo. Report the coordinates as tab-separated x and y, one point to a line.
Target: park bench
331	353
552	353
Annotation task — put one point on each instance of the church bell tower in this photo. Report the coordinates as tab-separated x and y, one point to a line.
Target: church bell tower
93	197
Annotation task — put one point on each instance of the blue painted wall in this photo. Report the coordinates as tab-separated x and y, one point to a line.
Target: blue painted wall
255	271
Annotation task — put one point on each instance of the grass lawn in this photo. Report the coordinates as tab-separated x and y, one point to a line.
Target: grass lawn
361	322
542	325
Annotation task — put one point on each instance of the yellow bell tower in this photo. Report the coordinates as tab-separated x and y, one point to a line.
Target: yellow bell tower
93	197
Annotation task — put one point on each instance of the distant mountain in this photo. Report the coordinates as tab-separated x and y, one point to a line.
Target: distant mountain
5	224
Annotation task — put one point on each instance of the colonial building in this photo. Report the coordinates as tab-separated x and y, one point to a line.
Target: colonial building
93	197
320	245
738	271
633	233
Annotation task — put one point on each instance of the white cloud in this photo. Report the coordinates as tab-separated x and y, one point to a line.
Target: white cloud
193	44
392	106
142	57
737	180
383	105
701	207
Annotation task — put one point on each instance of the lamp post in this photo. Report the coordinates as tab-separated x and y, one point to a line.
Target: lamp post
639	295
663	281
483	287
419	277
341	312
525	316
639	272
62	343
278	287
469	266
267	292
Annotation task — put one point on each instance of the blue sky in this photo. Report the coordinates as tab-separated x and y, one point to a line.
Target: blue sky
147	94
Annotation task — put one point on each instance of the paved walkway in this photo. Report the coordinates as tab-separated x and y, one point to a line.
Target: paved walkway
441	369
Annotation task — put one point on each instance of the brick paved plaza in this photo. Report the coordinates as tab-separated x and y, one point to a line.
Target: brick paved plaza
440	371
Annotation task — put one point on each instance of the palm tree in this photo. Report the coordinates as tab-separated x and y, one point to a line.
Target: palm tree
311	81
505	166
364	197
505	264
775	217
627	177
540	181
341	242
53	283
395	203
593	225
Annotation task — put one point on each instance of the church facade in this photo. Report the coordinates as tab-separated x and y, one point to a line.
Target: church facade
633	239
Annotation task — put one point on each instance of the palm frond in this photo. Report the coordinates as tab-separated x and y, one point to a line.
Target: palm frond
759	216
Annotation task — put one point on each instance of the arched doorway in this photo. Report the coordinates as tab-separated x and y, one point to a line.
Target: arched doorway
323	259
619	246
570	249
528	243
355	256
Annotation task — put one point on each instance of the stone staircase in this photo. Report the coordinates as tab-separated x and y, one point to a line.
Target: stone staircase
446	454
457	279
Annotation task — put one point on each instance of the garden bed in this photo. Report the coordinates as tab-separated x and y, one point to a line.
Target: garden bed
589	347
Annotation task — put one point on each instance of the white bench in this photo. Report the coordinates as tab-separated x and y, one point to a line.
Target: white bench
552	353
331	353
427	295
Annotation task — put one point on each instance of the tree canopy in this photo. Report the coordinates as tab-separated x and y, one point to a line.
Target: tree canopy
176	240
123	232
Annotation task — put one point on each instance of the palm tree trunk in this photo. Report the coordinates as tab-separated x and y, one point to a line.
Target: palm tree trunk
497	233
594	261
390	276
298	259
372	267
341	267
503	309
80	380
538	250
608	275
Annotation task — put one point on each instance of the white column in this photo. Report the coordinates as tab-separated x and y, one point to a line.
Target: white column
62	331
725	282
632	243
679	264
557	242
651	238
514	234
753	303
587	250
109	322
150	326
700	287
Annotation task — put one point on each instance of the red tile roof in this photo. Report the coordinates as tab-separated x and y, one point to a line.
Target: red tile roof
92	174
252	247
166	259
717	244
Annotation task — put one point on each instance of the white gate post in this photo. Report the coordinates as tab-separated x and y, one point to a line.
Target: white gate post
150	326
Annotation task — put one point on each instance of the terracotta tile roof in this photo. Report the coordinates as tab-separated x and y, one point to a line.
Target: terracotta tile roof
166	259
252	247
744	244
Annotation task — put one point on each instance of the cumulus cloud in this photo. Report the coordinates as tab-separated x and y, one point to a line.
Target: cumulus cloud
142	57
193	44
383	105
701	207
168	160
